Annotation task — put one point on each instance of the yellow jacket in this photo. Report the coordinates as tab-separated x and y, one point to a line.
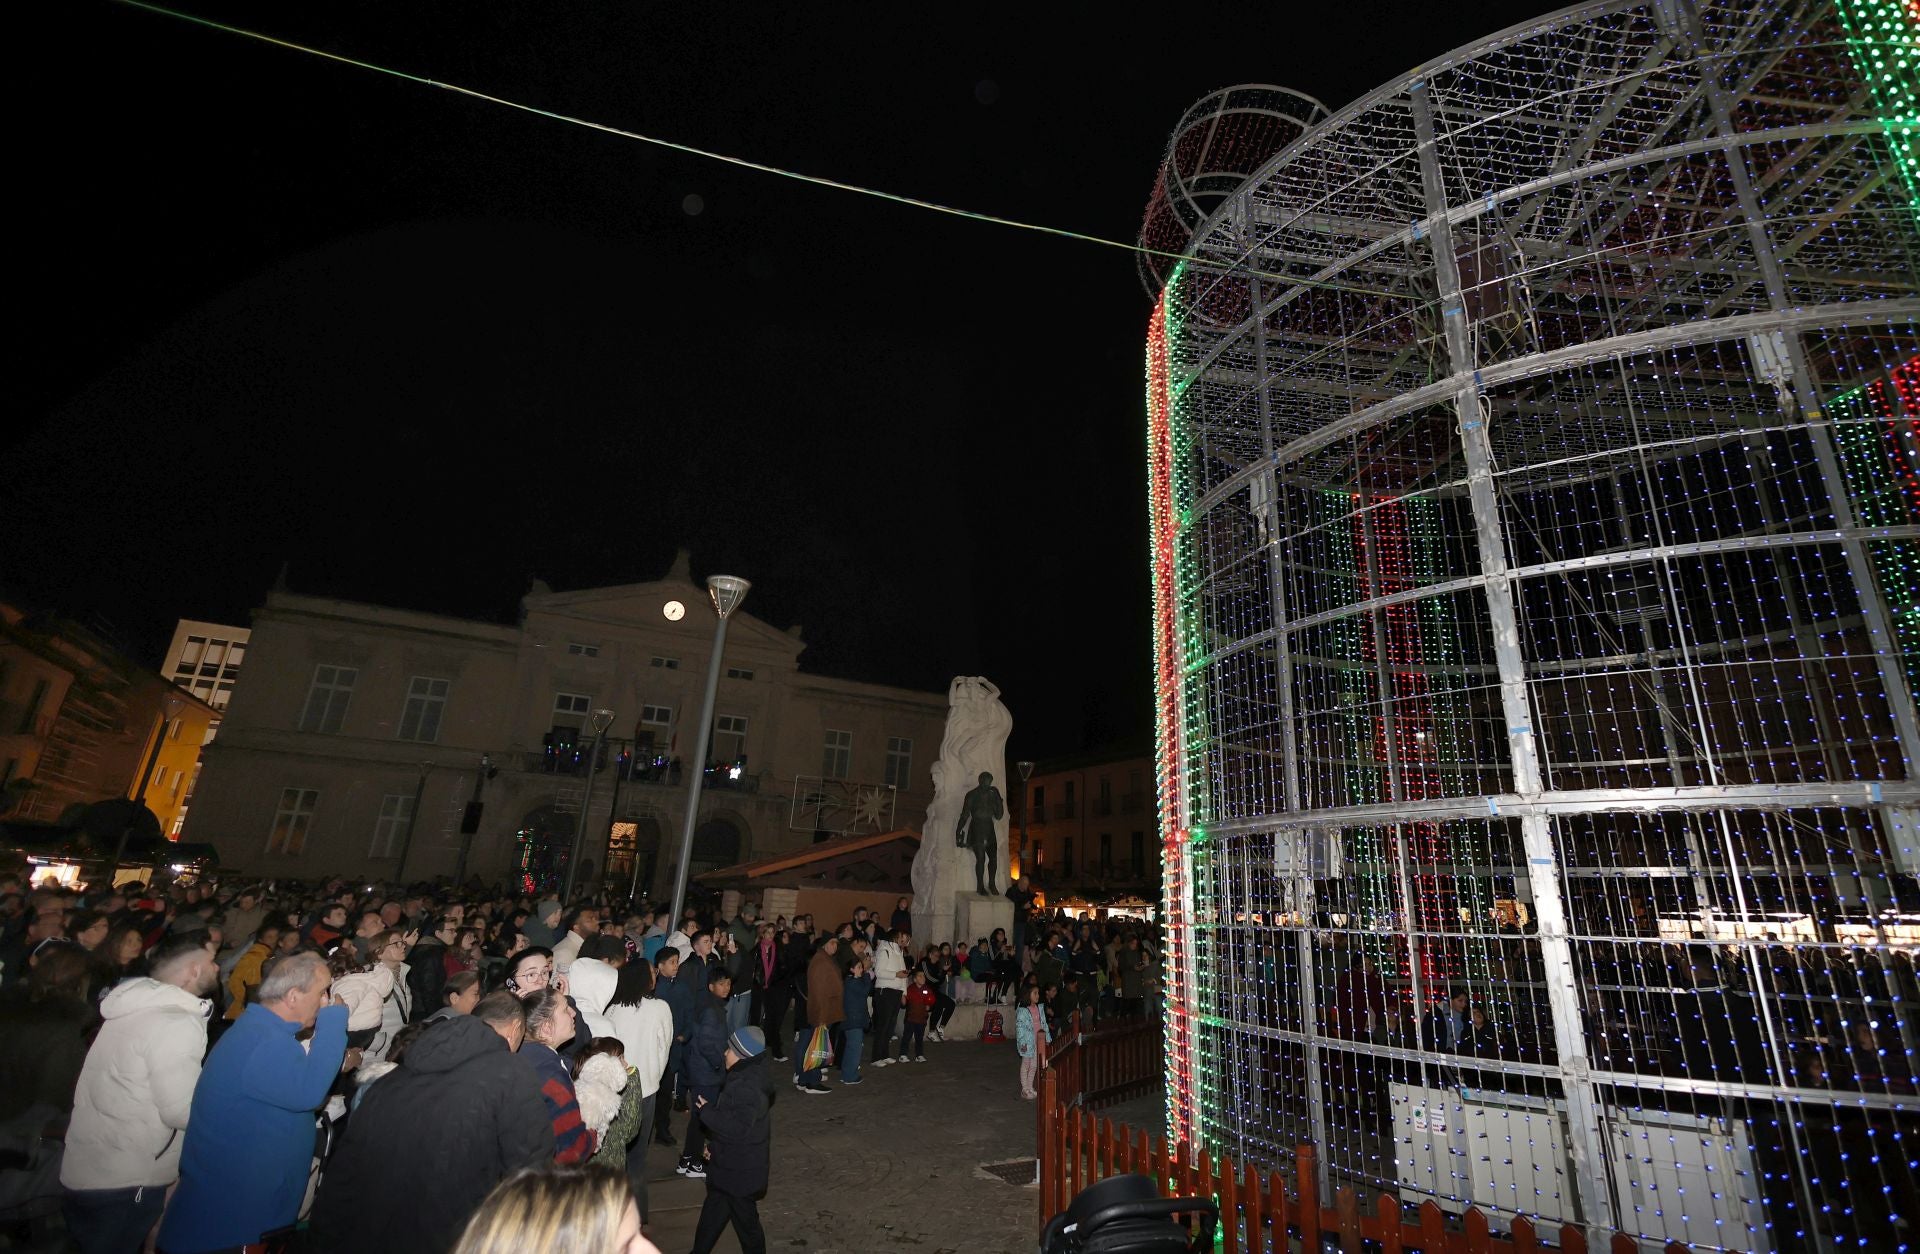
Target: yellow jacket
245	976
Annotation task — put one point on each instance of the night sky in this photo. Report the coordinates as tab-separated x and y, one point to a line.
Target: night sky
420	349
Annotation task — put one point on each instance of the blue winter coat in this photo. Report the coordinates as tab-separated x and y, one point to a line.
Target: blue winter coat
707	1050
250	1134
858	989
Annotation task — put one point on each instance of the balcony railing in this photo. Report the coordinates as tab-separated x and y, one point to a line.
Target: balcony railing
642	765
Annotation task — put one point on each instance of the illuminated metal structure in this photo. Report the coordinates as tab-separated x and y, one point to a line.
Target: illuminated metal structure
1535	537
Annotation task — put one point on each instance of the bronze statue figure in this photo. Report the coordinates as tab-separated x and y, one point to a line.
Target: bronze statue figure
979	811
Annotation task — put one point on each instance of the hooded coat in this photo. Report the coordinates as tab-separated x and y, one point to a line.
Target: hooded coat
591	983
428	1143
738	1129
136	1088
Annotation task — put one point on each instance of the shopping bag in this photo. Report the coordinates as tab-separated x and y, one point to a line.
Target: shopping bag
819	1050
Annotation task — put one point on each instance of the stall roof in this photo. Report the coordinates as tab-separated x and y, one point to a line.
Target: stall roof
806	861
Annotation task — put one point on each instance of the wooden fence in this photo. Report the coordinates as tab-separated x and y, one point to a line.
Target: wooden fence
1260	1212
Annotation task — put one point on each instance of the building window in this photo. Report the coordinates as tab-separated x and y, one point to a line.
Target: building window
657	715
1066	806
291	821
390	829
836	759
899	761
584	650
570	709
729	738
667	663
1139	852
426	702
1106	853
327	699
31	714
738	672
1040	802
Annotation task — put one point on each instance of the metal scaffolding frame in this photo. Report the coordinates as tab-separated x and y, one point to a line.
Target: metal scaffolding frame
1534	450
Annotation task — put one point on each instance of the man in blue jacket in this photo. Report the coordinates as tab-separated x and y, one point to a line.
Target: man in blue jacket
250	1133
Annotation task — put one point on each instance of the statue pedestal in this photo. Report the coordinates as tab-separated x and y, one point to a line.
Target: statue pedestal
976	916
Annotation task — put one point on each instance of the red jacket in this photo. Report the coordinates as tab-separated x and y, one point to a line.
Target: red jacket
920	1001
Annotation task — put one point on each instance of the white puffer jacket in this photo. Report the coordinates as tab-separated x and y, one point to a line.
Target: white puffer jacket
136	1089
363	991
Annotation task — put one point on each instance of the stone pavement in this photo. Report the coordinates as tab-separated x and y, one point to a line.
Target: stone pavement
891	1164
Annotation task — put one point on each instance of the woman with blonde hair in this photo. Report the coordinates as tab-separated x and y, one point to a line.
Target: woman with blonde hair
562	1210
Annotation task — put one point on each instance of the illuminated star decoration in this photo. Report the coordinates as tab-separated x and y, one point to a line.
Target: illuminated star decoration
867	806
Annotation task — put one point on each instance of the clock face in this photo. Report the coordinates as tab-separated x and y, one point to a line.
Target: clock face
674	611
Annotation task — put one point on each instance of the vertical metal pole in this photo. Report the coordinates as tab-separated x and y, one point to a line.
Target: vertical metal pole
613	813
580	825
1584	1133
701	737
1303	838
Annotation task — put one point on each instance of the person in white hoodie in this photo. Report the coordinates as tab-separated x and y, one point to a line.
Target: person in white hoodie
644	1025
130	1107
592	982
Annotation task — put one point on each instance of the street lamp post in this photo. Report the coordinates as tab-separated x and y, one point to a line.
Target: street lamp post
602	719
727	591
170	707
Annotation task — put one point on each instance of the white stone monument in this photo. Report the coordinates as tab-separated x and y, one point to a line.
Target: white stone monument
960	873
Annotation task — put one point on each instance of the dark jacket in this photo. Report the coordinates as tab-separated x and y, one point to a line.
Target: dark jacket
678	994
427	977
429	1142
737	1129
854	993
707	1049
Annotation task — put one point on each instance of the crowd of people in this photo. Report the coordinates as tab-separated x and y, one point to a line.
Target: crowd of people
208	1068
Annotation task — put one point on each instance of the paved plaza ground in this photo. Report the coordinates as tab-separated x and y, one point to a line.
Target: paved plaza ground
892	1164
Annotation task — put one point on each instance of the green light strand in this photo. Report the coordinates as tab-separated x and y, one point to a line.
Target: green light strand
1883	39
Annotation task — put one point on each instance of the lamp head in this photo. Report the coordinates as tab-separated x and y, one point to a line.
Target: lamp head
728	591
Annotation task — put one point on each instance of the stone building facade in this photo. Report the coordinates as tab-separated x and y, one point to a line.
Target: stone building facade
391	744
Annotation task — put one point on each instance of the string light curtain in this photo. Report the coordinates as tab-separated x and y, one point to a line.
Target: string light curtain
1535	508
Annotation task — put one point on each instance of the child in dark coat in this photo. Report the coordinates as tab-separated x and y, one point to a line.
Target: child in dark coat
737	1147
